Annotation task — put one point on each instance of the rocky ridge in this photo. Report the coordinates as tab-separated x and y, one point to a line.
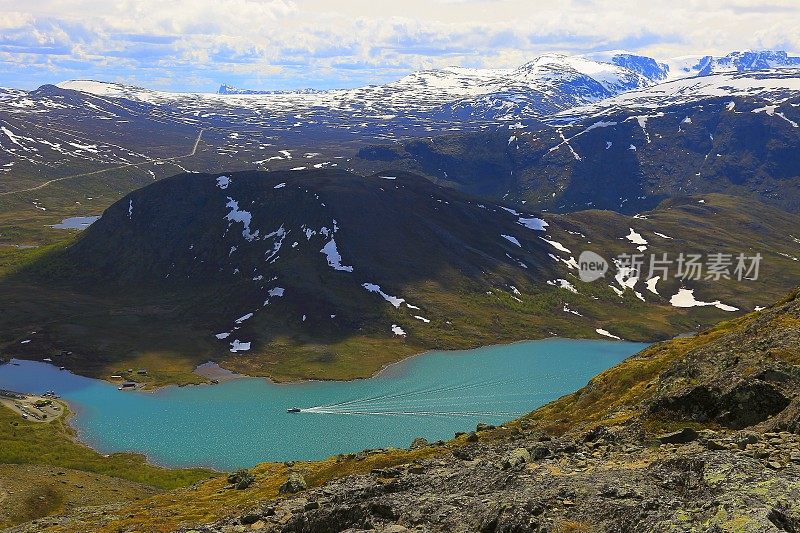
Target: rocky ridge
654	462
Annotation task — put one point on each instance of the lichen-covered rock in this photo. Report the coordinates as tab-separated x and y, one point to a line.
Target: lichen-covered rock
240	480
681	436
516	458
419	442
294	484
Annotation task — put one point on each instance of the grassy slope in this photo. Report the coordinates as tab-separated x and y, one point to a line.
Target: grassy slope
44	470
53	443
28	492
207	501
618	394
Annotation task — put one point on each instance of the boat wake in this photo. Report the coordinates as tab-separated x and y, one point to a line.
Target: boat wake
468	400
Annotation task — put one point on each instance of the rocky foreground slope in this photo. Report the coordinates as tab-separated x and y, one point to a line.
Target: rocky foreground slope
694	434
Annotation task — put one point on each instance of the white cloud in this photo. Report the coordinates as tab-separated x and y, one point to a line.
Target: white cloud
197	44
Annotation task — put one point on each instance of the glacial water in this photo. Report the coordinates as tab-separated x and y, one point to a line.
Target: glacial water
243	422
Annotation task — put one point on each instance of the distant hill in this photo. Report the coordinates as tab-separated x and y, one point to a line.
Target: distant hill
726	133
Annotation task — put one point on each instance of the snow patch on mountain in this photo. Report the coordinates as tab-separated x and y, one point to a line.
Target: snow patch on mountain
686	298
241	216
223	182
239	346
511	239
333	257
533	223
564	284
394	300
606	333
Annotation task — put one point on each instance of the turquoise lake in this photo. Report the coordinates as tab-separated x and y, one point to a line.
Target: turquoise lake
243	422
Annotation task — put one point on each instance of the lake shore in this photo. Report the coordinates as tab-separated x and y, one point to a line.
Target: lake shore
423	396
215	373
33	407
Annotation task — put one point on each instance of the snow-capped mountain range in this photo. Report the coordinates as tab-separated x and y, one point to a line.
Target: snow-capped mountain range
82	125
546	85
686	66
551	82
557	80
773	86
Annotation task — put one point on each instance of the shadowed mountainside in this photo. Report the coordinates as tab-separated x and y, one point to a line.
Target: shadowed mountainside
331	275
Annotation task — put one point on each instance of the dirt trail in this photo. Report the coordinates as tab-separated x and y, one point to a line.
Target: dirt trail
120	167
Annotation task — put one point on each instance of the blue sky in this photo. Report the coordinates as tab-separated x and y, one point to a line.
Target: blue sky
195	45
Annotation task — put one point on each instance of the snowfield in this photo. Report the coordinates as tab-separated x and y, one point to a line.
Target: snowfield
333	257
686	298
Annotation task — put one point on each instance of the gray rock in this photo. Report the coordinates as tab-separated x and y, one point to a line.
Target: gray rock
386	472
294	484
682	436
745	440
416	469
540	452
419	442
250	518
465	454
241	479
395	528
517	457
707	434
713	444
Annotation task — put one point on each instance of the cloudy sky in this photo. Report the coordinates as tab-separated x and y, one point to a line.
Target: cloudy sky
277	44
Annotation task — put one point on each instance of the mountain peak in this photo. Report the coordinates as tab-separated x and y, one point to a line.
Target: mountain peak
230	89
736	61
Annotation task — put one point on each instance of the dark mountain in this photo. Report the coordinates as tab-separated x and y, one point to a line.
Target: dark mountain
322	263
621	159
324	255
329	274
